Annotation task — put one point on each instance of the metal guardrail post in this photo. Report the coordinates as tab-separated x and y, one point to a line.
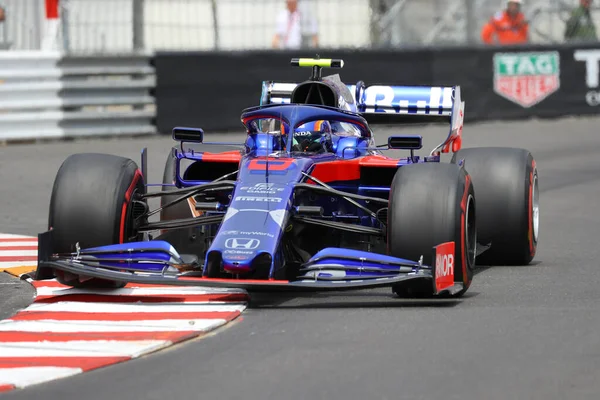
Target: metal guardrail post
138	25
64	22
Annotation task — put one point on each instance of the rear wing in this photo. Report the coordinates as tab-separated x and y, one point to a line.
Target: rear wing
394	105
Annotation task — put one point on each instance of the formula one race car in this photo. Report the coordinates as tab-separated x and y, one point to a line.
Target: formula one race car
309	201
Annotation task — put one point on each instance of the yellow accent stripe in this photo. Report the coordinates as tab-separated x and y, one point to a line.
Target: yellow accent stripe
318	125
311	62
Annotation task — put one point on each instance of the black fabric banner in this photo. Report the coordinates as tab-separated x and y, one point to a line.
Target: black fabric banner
210	89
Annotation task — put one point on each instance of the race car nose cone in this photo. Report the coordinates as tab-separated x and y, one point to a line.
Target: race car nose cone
238	263
236	267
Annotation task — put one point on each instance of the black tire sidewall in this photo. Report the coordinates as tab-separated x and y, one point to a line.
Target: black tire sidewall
425	210
90	193
91	205
503	181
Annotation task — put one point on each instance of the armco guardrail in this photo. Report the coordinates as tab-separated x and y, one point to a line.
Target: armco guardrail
498	83
48	95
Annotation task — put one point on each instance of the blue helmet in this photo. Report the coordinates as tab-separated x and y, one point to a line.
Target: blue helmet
313	137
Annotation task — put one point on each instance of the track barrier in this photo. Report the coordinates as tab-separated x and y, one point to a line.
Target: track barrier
210	89
50	95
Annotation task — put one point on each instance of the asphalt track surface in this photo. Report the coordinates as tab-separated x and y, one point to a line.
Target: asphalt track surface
15	295
528	332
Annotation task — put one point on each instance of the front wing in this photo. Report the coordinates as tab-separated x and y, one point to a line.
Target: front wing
441	285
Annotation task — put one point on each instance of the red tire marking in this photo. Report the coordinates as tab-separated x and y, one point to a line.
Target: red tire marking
463	206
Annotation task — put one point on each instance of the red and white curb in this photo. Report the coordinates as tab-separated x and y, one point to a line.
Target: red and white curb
67	331
18	254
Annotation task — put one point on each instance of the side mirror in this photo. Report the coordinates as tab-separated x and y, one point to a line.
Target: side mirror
405	142
184	134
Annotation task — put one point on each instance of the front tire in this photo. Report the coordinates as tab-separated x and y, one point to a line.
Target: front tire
432	204
92	204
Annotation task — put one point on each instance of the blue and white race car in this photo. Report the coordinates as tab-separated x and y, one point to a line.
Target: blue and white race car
307	202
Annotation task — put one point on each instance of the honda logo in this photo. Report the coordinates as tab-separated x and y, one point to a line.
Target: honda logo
246	244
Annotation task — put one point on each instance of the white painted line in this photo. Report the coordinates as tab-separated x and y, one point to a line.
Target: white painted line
73	306
82	348
112	326
17	244
12	264
21	377
18	253
11	236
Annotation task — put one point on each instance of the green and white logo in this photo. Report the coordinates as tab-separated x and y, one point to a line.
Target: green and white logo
526	78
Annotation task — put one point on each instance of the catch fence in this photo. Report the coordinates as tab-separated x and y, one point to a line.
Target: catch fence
121	26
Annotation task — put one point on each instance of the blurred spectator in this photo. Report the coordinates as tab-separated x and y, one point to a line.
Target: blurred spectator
580	27
295	27
2	14
507	27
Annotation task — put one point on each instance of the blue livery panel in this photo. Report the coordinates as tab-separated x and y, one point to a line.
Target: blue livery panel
154	255
406	100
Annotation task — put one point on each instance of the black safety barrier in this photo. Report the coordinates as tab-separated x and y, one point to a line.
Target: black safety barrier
210	89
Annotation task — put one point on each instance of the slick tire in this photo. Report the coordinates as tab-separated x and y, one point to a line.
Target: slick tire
432	204
179	210
506	186
91	204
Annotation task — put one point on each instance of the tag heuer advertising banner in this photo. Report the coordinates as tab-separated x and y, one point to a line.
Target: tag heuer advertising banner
544	81
526	78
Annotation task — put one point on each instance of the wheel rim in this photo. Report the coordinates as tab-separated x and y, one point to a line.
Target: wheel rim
535	207
470	231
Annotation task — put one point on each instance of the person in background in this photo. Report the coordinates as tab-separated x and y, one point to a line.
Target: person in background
2	14
507	27
580	26
295	27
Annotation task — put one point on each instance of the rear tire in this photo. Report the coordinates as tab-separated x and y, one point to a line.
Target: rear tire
506	183
92	205
431	204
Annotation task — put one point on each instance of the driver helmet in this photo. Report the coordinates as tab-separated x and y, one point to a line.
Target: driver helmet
313	137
